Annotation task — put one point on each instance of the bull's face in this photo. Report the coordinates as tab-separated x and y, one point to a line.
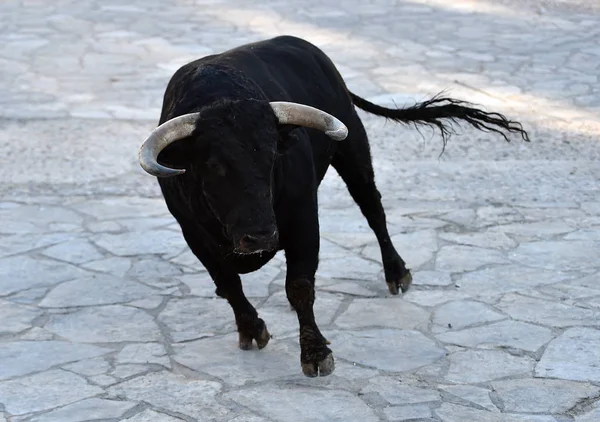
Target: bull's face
232	154
237	143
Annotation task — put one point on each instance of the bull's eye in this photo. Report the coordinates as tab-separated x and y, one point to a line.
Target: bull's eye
215	168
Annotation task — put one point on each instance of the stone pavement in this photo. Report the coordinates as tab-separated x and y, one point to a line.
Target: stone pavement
105	314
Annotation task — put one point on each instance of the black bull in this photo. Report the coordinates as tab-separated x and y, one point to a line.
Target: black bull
248	157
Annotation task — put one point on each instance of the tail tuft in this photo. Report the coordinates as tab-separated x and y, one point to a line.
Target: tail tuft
442	112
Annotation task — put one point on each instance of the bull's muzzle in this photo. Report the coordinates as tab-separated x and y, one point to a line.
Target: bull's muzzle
255	242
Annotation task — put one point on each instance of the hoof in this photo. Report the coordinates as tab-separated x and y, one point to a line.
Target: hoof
261	336
400	285
322	368
244	341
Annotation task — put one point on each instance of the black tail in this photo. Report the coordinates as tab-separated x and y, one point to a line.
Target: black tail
433	111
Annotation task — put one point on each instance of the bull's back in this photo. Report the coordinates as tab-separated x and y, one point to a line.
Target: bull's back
289	69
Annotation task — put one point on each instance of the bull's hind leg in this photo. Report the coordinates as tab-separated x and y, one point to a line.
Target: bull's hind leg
353	163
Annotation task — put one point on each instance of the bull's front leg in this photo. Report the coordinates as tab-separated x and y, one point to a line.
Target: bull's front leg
250	326
229	286
302	256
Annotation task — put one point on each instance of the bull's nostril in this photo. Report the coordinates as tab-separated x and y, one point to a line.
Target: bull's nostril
251	243
248	241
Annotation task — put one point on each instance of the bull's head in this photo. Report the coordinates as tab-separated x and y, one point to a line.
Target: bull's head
233	156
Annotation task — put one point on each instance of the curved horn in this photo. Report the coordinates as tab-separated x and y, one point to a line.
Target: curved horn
161	137
303	115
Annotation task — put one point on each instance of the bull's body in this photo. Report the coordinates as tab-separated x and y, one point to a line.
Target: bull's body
280	69
284	69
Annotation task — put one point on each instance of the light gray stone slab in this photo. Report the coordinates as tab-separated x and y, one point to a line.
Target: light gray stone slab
592	281
104	226
449	412
38	334
194	398
346	221
248	418
507	278
41	215
89	367
459	258
385	349
89	409
148	270
412	223
238	367
539	229
584	234
475	366
477	395
431	278
351	267
143	224
77	251
487	239
464	313
23	272
497	215
199	284
156	273
350	240
395	392
547	312
43	391
330	250
569	290
348	288
150	302
15	317
518	335
303	403
16	244
103	380
29	297
106	324
256	284
24	357
116	266
411	412
143	353
112	208
591	415
141	243
128	370
464	217
542	395
95	289
432	298
558	255
194	318
383	312
188	259
574	355
150	415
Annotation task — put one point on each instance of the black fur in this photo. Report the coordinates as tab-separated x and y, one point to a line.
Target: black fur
251	185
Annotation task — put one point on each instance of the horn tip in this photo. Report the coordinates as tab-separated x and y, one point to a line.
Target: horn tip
160	171
338	134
